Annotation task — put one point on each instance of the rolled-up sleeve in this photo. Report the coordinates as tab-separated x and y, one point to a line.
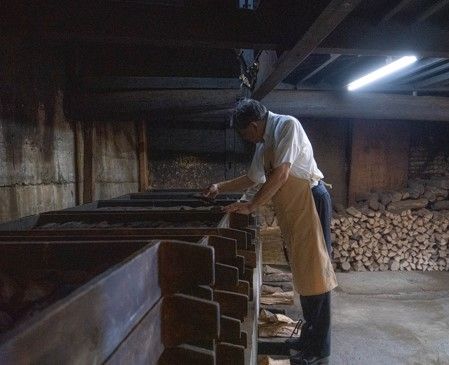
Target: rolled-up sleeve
288	144
256	172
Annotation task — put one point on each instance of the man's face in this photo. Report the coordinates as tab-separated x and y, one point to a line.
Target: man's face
250	133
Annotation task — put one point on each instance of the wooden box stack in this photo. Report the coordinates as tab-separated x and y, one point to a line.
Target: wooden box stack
160	286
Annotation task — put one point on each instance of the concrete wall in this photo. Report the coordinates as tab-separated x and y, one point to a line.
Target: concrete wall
37	143
115	157
36	163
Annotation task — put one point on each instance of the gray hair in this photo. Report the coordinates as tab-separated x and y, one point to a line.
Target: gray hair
247	111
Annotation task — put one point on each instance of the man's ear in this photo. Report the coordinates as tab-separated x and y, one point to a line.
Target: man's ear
253	124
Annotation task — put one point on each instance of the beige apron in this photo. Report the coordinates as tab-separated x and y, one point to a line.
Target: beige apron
301	229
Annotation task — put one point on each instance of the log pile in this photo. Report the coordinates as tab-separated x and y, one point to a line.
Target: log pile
406	230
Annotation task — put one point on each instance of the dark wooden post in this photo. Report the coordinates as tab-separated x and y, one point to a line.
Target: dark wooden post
142	155
88	163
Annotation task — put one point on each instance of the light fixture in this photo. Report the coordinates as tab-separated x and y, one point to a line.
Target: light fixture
382	72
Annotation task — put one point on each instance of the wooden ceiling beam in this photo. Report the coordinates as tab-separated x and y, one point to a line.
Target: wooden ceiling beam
319	104
397	9
442	78
335	12
390	39
427	73
140	24
110	83
331	59
432	10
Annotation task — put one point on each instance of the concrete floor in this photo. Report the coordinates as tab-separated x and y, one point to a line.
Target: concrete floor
391	318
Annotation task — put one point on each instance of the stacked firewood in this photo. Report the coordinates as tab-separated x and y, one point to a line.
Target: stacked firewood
406	230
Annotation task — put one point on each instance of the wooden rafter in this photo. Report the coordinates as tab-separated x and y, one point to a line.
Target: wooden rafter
331	59
430	72
398	8
388	39
327	21
432	10
432	81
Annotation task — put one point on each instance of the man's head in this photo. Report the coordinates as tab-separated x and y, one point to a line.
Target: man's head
249	118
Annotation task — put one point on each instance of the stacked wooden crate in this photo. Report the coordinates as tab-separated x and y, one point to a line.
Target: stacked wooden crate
160	286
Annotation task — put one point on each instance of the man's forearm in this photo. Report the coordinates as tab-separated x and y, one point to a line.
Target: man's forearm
239	184
271	186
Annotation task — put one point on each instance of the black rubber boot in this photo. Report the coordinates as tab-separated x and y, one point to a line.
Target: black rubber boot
304	359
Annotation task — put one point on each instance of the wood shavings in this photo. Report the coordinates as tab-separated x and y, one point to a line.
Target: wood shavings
275	325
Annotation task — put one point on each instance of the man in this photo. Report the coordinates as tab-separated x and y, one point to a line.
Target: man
284	164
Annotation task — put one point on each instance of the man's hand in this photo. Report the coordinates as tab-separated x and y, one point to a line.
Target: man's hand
211	191
241	208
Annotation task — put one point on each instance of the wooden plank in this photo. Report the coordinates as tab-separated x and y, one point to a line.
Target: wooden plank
357	37
143	24
230	330
151	341
200	319
177	217
142	154
230	354
243	287
442	78
147	218
379	157
363	105
232	304
150	203
174	254
240	237
401	75
88	163
432	10
178	195
335	12
79	161
431	71
144	344
225	249
226	277
398	8
85	314
250	257
331	59
144	83
122	104
108	303
338	104
188	355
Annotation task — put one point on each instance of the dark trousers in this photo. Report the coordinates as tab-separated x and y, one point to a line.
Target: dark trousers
315	333
323	206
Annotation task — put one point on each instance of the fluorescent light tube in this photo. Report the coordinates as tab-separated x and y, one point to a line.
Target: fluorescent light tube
382	72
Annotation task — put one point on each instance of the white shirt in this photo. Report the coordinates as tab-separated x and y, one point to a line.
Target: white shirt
290	144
